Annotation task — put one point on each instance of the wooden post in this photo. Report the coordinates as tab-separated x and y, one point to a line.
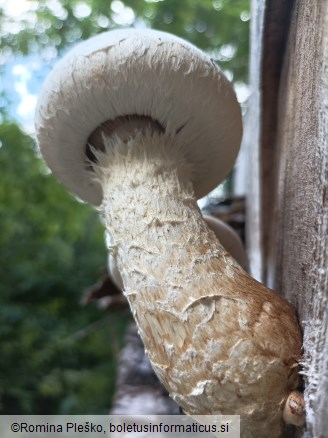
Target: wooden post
287	137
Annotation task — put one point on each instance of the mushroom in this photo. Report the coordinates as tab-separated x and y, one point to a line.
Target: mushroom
142	123
226	235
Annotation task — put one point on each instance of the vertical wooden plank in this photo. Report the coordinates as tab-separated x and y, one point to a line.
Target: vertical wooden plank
276	27
298	251
288	198
252	134
269	30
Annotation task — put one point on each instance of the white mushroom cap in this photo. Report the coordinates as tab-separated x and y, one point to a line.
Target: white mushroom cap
145	73
226	235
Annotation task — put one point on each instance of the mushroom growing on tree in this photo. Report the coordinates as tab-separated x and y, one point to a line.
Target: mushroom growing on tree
142	123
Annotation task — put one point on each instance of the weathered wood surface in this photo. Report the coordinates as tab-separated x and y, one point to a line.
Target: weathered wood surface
269	30
289	188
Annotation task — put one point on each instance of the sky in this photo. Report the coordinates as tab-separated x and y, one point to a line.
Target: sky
22	75
23	78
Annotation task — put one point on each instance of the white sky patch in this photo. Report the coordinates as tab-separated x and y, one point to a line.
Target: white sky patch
117	6
21	88
227	52
224	53
16	8
22	71
26	108
81	10
57	9
228	74
27	101
23	75
17	15
242	91
122	15
102	21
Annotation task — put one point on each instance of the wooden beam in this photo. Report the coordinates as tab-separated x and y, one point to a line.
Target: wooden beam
290	143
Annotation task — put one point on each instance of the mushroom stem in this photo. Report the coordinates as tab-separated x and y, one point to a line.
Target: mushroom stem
220	342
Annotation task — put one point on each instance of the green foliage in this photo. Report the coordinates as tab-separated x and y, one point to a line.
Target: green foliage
55	354
51	26
52	247
208	24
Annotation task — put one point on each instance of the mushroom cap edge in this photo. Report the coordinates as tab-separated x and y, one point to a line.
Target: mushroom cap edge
144	72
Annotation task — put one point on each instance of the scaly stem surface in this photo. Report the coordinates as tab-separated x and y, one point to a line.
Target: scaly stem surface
220	342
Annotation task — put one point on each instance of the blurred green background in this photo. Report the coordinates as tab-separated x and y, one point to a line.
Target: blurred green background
56	355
